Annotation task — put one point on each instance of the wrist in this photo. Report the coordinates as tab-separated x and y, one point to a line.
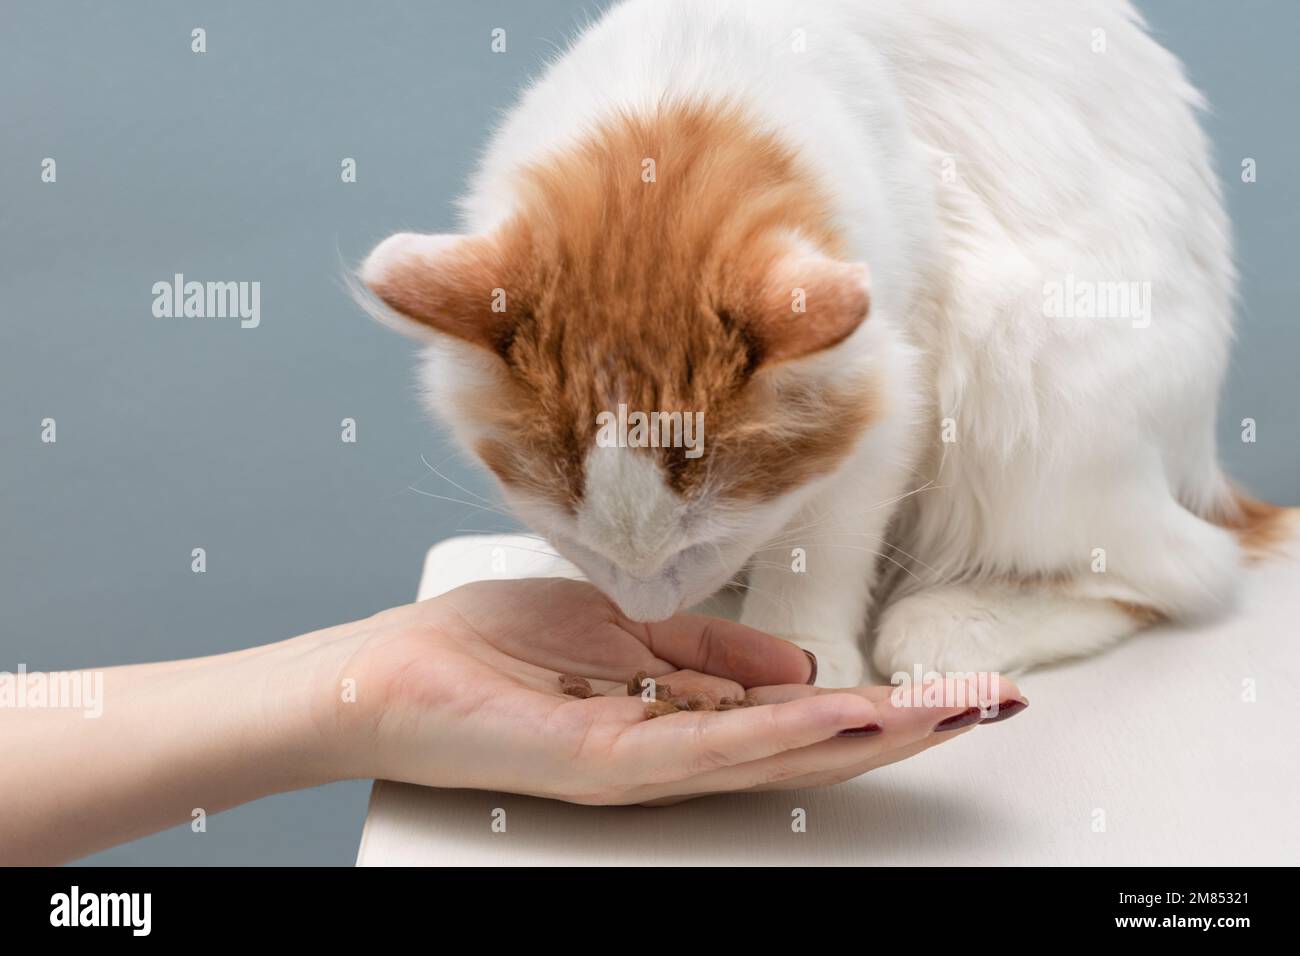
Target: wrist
302	712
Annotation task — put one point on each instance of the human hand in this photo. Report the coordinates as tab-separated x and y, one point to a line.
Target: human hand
459	691
463	691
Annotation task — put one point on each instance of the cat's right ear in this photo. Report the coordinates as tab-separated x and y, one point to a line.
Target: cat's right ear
445	283
808	302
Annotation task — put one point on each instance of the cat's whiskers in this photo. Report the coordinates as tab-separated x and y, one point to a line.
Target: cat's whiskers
483	504
785	533
459	501
736	585
455	484
820	536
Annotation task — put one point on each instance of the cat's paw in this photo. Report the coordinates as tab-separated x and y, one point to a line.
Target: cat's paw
994	627
841	658
939	631
839	663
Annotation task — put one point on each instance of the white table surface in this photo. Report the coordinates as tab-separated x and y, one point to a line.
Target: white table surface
1155	734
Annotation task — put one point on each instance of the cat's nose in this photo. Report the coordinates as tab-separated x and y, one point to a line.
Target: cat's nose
628	514
634	557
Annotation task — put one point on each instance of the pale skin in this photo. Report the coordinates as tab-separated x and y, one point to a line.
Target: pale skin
459	691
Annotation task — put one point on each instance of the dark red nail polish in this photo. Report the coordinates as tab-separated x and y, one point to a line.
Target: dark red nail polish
967	717
812	659
869	730
1006	708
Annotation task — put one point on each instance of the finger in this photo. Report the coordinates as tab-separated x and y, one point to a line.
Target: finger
831	776
842	774
905	729
725	649
778	693
775	777
688	744
822	764
995	695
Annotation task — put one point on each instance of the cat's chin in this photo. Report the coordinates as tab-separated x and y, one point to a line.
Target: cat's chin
678	585
653	604
649	603
647	609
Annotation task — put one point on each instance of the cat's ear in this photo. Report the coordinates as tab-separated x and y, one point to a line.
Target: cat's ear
448	283
808	302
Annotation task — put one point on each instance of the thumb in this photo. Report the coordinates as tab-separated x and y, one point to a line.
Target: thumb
726	649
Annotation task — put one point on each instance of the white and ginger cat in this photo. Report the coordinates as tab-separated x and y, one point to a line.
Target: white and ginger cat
950	282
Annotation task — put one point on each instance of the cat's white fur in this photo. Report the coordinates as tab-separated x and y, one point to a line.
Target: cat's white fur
976	153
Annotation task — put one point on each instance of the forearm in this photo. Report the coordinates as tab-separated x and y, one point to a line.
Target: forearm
459	692
172	738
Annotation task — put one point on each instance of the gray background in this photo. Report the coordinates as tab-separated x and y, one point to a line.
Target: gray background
176	434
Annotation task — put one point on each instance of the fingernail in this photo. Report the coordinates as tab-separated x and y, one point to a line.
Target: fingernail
812	660
868	730
967	717
1007	708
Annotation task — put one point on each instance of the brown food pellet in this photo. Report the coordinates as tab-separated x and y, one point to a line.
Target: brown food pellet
659	708
575	686
697	701
635	687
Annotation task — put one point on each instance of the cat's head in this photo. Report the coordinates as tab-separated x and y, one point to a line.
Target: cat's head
709	291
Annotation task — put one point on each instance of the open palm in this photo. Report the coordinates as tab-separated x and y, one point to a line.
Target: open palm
468	695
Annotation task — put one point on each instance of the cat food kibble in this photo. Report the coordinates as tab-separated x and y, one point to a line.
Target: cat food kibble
667	703
695	702
576	686
637	684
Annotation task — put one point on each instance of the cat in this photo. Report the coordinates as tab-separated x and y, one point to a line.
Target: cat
950	285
